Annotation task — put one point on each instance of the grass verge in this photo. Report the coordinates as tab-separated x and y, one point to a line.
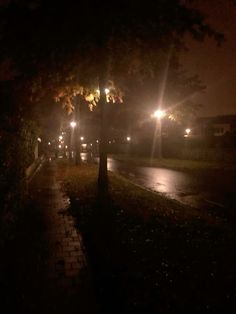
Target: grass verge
150	254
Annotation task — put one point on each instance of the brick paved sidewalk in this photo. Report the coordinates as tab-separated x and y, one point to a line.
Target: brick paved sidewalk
67	276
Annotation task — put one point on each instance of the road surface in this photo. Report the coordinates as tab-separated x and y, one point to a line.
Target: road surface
202	189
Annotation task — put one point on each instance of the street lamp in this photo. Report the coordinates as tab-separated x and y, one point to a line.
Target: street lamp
73	124
188	131
82	138
128	138
159	114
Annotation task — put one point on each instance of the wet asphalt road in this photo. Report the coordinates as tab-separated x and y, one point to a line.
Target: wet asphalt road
200	189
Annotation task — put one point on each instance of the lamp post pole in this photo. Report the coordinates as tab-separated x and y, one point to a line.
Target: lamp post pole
159	138
72	125
159	114
77	131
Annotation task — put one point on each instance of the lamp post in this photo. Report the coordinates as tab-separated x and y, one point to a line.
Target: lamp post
72	126
187	132
159	114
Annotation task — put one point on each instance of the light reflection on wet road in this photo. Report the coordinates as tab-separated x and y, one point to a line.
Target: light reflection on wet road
209	189
198	190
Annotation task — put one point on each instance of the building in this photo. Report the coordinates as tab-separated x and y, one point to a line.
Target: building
214	126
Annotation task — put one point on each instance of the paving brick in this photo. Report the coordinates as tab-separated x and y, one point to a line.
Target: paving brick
66	261
76	265
76	253
71	259
72	272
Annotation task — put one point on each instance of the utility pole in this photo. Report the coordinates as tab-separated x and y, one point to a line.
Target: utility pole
77	130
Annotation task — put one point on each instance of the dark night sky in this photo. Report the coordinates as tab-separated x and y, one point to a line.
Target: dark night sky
216	66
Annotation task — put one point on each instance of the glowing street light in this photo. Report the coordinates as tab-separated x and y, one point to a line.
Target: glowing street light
188	131
60	137
128	138
39	140
159	114
73	124
59	146
82	138
106	90
49	143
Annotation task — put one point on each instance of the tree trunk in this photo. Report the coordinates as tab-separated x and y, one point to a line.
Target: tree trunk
103	175
77	146
70	145
77	132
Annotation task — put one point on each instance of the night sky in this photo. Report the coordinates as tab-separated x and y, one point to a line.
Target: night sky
216	66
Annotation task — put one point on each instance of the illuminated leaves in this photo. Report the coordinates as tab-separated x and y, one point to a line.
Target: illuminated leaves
65	95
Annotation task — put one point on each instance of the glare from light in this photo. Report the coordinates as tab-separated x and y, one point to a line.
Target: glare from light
188	131
109	142
66	146
159	114
128	138
73	124
106	91
59	146
49	143
91	144
97	141
39	140
82	138
60	137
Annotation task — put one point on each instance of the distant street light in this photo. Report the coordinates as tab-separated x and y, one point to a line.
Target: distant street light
128	138
59	146
49	143
106	90
60	137
39	140
82	138
73	124
187	132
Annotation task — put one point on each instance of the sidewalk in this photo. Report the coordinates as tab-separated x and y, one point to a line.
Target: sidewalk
48	266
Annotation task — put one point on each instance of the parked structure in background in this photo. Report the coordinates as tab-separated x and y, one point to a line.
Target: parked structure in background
214	126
